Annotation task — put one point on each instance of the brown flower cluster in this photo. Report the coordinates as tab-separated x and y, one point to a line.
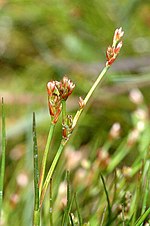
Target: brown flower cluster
58	91
113	51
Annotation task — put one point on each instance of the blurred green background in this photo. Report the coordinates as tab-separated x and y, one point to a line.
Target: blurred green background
44	40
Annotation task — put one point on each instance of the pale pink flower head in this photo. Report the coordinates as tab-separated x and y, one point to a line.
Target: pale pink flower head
66	87
81	103
118	47
50	87
118	35
54	100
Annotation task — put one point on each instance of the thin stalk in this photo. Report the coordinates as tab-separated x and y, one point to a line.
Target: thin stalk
67	209
51	204
43	165
68	192
135	204
89	94
142	218
68	187
67	212
51	170
145	179
3	158
78	210
36	216
123	220
103	217
107	197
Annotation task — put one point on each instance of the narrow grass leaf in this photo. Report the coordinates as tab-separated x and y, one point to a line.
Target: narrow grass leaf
146	177
107	197
67	209
67	212
78	210
43	165
135	204
103	217
2	174
51	203
142	217
51	171
119	155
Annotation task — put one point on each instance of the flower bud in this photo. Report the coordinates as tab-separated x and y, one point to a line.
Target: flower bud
118	35
113	51
50	87
81	103
66	87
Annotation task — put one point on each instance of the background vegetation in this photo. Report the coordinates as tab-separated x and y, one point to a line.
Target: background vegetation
44	40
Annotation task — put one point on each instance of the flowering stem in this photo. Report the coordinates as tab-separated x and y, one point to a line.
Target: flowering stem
51	170
3	158
43	166
89	94
64	141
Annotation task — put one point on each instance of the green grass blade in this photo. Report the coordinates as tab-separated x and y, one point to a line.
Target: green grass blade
119	155
43	166
107	197
78	210
103	217
51	170
36	219
146	177
51	203
136	201
2	174
142	217
67	210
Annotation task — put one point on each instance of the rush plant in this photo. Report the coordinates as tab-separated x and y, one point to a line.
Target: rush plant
58	93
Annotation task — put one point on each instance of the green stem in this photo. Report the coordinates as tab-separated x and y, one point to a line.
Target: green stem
43	166
51	204
89	94
142	218
36	216
78	210
67	209
107	197
51	170
3	158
